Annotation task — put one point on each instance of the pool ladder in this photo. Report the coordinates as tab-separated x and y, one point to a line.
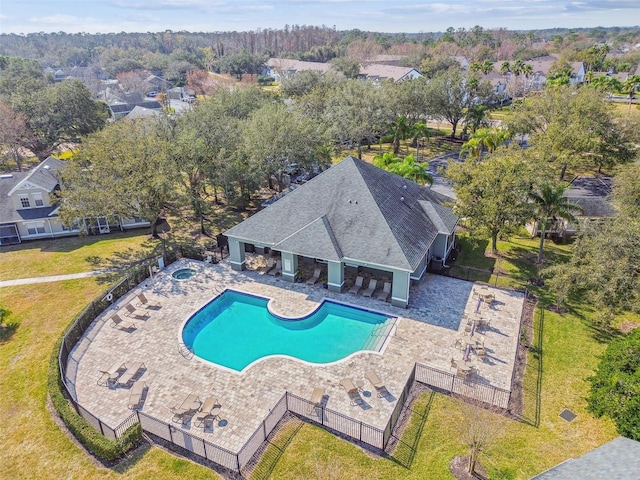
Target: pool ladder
185	351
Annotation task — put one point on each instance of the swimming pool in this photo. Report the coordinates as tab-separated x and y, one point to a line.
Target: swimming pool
236	329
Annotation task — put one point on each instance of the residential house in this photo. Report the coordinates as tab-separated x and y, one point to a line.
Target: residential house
378	73
393	60
123	109
181	93
281	68
353	217
27	213
462	61
593	195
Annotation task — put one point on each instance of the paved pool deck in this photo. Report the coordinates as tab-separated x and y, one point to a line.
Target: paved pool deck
426	332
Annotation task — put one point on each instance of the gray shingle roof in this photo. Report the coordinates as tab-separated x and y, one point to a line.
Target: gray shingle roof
619	459
352	211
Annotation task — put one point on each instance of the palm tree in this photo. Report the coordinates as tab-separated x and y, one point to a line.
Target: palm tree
420	132
400	128
550	204
473	147
383	161
408	168
486	67
505	67
630	86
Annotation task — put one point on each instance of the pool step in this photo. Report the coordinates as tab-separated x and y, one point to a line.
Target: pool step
185	351
379	335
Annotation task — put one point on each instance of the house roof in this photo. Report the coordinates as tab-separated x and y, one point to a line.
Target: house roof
43	176
290	65
619	459
592	194
353	211
142	112
387	71
124	108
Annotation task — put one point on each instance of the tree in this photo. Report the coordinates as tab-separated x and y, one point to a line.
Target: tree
124	170
61	113
134	81
479	429
452	93
405	167
348	67
485	138
492	194
573	128
420	132
550	206
614	386
399	129
14	133
630	86
276	137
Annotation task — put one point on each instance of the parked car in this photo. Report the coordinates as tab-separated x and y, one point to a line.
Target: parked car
152	93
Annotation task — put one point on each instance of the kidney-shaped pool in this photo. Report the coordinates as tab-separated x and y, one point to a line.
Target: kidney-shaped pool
236	329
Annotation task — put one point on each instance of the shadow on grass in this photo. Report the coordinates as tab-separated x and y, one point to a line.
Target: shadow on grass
274	450
7	331
532	383
406	447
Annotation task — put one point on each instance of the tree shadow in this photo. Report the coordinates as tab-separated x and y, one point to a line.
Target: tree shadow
7	331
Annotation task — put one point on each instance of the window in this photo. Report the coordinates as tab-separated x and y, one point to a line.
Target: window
37	199
34	228
24	201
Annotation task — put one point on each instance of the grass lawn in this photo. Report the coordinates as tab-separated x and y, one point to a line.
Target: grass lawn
33	447
75	254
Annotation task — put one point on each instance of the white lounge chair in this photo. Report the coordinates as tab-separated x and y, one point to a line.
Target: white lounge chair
373	283
204	414
386	291
143	302
314	278
352	391
128	376
134	312
376	382
118	322
135	396
270	264
357	286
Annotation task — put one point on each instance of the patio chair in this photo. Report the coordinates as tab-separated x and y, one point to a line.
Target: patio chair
270	264
131	373
314	278
454	364
118	322
352	391
357	286
386	291
204	414
373	283
276	270
376	382
185	410
134	312
111	374
136	394
143	302
316	400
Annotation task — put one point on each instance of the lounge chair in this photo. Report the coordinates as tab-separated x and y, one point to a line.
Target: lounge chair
373	283
316	399
185	410
352	391
386	291
143	302
376	382
314	278
136	394
111	374
118	322
270	264
134	312
357	286
204	413
128	376
276	270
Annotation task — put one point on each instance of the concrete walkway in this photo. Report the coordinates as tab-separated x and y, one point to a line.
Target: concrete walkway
52	278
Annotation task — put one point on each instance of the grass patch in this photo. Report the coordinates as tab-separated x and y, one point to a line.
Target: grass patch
75	254
33	446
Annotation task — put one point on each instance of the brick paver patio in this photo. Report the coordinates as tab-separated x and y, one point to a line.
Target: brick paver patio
426	332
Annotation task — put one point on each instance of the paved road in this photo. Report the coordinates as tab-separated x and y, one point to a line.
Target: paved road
52	278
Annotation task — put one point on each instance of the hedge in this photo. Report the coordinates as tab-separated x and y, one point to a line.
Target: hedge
89	437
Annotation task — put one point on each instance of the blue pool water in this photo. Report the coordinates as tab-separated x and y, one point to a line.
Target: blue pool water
236	329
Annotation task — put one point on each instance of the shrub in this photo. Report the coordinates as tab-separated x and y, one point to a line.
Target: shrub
615	387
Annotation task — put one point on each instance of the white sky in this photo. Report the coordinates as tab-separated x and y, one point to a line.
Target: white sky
410	16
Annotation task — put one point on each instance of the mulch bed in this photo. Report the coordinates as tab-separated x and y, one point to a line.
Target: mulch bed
458	468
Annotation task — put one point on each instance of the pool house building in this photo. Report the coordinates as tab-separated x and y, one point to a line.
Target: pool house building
353	217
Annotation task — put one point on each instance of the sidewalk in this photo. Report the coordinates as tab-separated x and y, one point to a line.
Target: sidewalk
52	278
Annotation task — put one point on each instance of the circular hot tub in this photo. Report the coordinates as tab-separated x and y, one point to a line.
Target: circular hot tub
183	274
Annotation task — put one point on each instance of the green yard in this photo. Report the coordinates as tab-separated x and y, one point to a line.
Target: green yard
34	447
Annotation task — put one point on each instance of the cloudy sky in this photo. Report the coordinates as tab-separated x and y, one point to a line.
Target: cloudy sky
93	16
